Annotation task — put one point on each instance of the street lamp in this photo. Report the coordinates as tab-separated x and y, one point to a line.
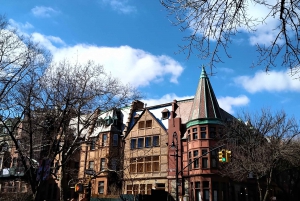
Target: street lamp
175	146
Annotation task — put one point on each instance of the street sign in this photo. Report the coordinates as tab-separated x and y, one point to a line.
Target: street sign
90	172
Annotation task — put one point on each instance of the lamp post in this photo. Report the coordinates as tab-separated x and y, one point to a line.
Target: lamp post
175	146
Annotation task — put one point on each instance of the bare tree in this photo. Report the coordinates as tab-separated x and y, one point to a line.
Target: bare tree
213	24
42	99
259	144
50	104
20	58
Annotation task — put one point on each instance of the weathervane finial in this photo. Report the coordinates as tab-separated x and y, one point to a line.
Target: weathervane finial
203	73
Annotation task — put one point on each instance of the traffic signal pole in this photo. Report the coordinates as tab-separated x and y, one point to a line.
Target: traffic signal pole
89	189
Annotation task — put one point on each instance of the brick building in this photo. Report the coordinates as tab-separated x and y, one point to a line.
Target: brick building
154	143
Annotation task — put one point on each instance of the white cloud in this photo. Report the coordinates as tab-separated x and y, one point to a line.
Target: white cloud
165	99
271	81
134	66
264	32
120	6
42	11
47	41
227	103
22	28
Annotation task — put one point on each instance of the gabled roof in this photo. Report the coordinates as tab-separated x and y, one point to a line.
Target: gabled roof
205	104
142	112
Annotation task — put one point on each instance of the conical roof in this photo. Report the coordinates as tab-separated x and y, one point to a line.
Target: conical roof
205	105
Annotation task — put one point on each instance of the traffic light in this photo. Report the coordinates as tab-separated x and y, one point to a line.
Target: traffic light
79	188
228	156
222	156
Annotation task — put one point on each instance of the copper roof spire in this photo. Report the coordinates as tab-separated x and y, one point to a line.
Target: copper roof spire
205	105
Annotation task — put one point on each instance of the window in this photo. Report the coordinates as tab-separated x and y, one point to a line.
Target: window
195	153
204	163
145	165
165	114
149	187
132	165
91	165
149	123
156	141
206	195
115	139
195	134
133	143
102	164
203	132
196	163
189	135
141	125
197	191
155	164
204	152
108	121
215	187
129	189
142	189
140	143
205	190
92	145
140	165
4	147
104	140
204	159
135	189
212	132
148	164
98	122
213	158
101	187
148	142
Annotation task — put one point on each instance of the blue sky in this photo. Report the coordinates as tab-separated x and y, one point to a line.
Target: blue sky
135	41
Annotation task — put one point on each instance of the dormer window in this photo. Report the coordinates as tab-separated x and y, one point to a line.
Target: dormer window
115	120
165	114
99	122
108	121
